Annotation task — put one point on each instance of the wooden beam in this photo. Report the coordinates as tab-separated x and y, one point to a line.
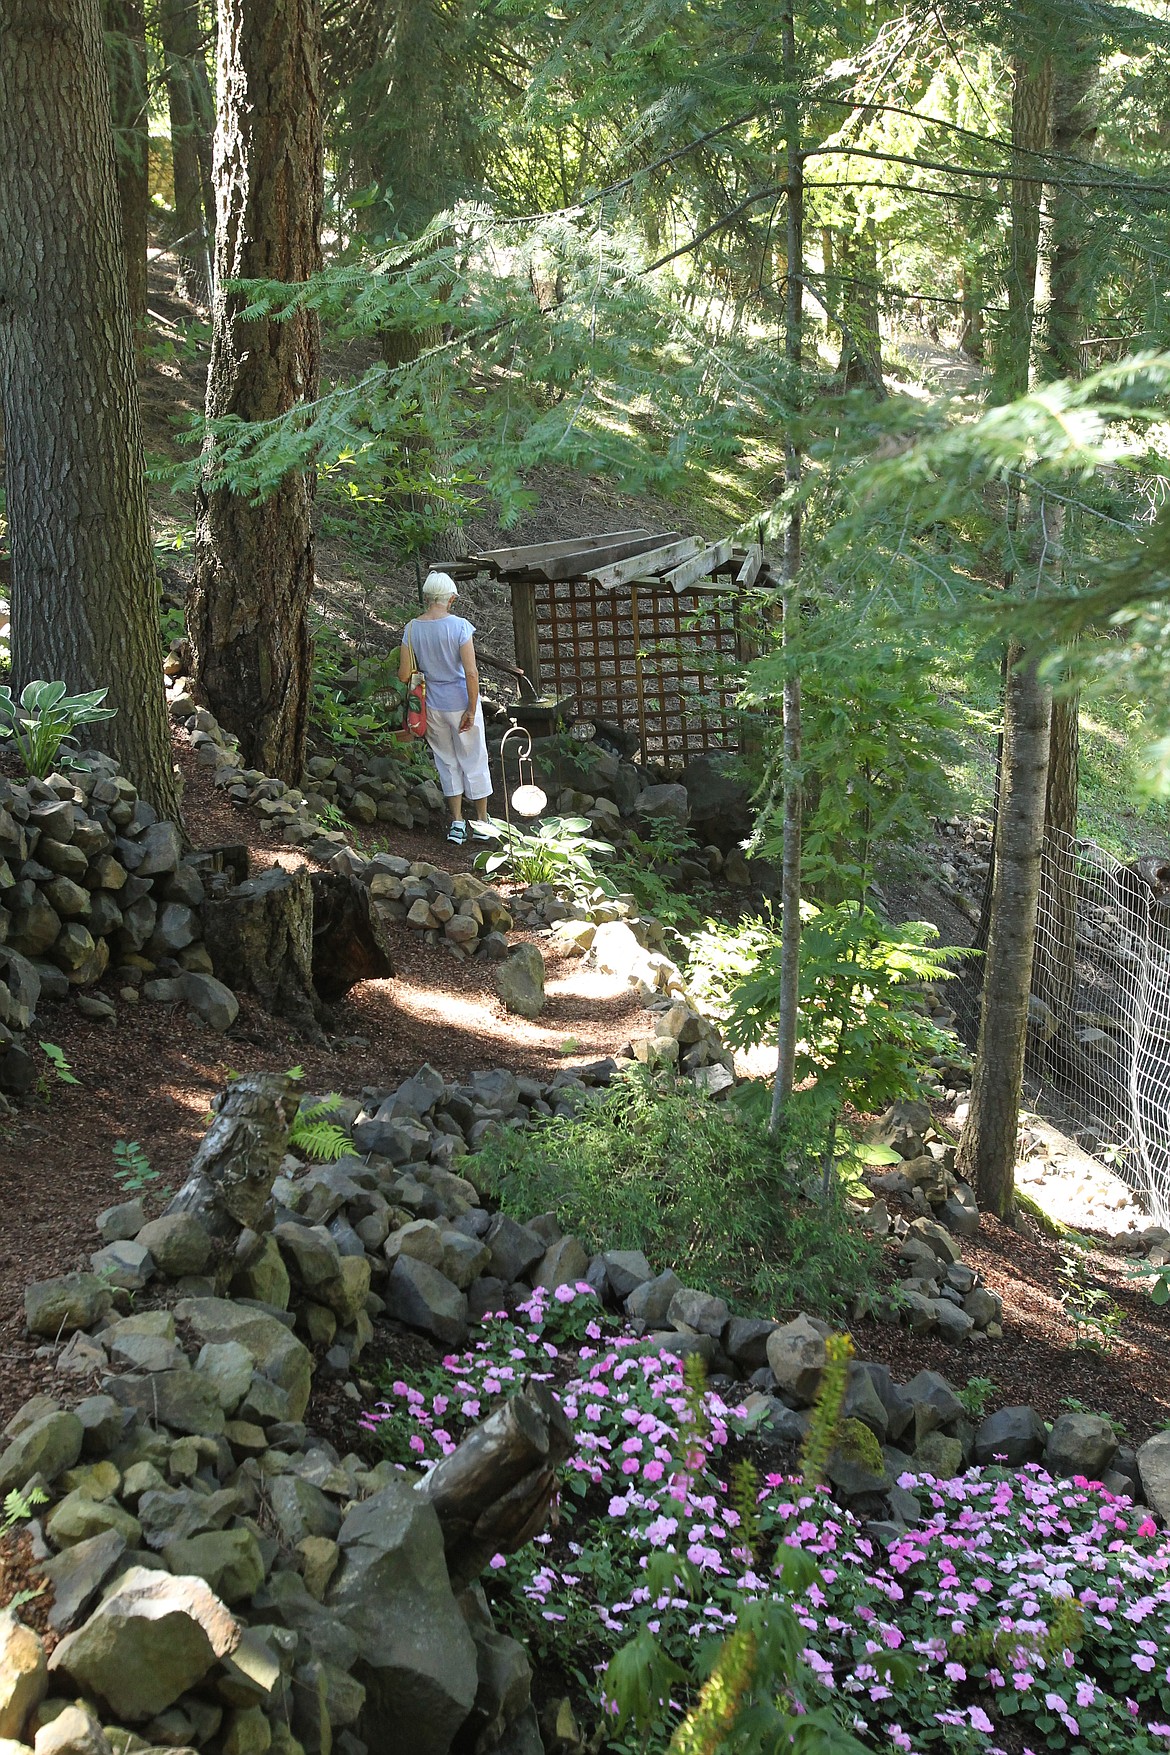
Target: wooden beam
647	565
697	567
577	562
524	632
507	560
749	571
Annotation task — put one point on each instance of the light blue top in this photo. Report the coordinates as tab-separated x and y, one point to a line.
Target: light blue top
436	649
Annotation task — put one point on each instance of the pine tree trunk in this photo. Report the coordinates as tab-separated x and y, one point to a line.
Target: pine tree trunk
126	54
987	1149
1031	122
84	596
861	340
179	26
789	997
254	567
1065	290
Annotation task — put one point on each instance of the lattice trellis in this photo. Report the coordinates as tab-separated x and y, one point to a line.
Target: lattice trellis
655	661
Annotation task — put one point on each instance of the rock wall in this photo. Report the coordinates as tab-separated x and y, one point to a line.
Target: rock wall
91	880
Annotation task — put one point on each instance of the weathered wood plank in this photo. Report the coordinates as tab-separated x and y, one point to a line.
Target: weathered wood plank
697	567
749	571
524	631
649	564
506	560
577	563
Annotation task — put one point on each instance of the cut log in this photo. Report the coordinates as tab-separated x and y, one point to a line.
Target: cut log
350	943
260	940
494	1492
232	1173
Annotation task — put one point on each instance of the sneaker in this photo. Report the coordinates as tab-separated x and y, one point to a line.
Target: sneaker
484	831
457	833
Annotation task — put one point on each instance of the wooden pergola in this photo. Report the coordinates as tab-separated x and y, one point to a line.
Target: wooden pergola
637	627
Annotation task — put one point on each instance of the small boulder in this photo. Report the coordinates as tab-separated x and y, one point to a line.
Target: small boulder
423	1298
796	1354
520	981
1153	1463
23	1673
178	1244
1015	1435
47	1447
1080	1444
152	1638
59	1307
211	1000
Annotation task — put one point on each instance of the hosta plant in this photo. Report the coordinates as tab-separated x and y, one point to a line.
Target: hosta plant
44	719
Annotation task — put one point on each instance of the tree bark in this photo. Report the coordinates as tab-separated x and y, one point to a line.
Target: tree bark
860	365
84	597
492	1494
254	563
260	940
179	27
126	55
987	1149
789	998
232	1173
1031	121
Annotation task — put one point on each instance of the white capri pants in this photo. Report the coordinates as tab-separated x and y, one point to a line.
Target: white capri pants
460	756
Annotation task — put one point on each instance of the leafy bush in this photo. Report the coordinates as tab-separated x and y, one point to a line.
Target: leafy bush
559	850
44	718
695	1183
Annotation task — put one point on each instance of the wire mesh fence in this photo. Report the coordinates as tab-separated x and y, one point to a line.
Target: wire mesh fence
1099	1016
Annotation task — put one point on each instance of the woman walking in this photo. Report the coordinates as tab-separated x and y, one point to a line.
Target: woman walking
442	647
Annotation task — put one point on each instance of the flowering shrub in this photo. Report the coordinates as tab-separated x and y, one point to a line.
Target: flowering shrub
1024	1614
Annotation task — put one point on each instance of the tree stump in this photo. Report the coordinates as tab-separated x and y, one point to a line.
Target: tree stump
232	1173
350	943
493	1493
260	940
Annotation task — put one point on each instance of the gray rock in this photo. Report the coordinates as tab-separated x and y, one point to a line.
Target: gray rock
302	1510
229	1561
1080	1444
933	1401
161	848
279	1356
1016	1435
418	1095
520	981
183	1400
650	1302
796	1354
498	1090
565	1263
119	1224
514	1249
228	1367
423	1298
211	1000
47	1447
983	1306
745	1340
417	1660
953	1324
23	1674
959	1212
145	1343
178	1243
625	1269
175	928
664	801
937	1239
129	1266
74	1731
902	1128
76	1574
151	1639
699	1311
59	1307
1153	1465
102	1421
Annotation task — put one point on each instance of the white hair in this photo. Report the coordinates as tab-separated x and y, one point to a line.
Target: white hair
438	587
